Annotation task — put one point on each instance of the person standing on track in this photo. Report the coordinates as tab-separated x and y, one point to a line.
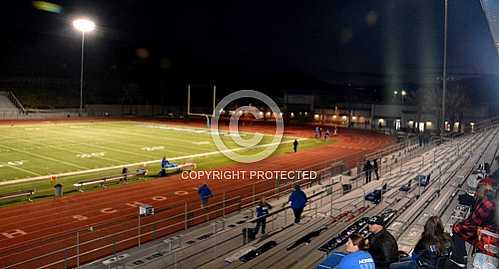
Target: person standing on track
295	145
204	194
298	201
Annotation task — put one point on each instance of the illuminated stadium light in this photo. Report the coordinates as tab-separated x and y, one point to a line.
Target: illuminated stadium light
261	114
84	25
334	116
267	114
354	118
280	114
381	120
404	93
428	123
306	113
395	92
344	118
292	115
316	116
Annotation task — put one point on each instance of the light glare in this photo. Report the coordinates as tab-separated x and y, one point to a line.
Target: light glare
84	25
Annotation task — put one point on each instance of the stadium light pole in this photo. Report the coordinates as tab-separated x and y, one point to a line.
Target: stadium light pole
444	71
83	25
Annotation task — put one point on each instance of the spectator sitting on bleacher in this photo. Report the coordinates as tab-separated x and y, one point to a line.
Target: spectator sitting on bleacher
432	250
356	256
382	246
482	216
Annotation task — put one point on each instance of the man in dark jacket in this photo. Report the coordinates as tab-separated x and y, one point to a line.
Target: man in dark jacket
368	170
382	246
262	210
298	201
376	169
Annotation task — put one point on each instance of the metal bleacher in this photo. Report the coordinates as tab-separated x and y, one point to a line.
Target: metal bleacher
6	104
219	244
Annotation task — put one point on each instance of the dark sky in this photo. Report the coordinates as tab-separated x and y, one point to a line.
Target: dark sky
318	38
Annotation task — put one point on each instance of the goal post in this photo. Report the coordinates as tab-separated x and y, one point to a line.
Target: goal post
207	115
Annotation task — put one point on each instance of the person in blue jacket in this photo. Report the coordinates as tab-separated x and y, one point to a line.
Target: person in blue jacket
262	210
356	256
204	194
298	201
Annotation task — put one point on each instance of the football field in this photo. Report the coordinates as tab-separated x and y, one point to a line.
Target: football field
76	151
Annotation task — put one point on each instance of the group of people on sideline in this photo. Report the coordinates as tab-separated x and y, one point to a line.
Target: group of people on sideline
324	133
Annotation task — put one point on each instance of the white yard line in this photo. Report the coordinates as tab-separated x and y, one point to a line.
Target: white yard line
24	180
45	157
21	169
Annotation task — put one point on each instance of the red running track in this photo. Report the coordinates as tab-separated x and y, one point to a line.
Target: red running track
49	227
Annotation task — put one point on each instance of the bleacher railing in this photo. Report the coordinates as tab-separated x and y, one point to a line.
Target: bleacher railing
12	97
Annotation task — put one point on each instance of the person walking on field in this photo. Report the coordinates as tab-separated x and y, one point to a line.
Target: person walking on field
298	201
204	194
295	145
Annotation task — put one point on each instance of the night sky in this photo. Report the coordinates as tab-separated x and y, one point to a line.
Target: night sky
155	43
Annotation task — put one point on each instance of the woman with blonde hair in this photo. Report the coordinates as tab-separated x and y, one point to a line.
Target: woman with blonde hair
356	256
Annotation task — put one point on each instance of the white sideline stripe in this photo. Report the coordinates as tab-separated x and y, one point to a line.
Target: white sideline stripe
23	180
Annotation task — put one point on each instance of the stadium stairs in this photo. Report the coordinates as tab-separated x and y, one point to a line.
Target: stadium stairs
219	244
9	105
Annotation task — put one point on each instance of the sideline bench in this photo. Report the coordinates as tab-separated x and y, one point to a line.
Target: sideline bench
103	181
140	172
16	194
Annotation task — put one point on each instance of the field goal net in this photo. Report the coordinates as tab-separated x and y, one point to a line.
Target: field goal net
201	101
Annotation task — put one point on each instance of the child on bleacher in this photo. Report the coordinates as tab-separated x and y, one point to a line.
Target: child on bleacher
356	256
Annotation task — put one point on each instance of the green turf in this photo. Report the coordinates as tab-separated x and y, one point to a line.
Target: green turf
46	149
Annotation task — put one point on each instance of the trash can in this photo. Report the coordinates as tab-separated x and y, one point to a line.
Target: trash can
58	190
